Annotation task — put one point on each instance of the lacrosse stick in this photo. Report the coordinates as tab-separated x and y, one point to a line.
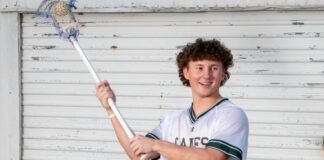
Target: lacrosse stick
59	14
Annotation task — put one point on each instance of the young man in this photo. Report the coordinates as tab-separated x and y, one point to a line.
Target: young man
212	128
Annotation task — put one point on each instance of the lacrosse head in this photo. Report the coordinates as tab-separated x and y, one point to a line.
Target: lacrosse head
59	14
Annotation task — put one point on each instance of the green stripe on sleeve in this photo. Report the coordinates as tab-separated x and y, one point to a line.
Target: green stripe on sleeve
226	148
151	135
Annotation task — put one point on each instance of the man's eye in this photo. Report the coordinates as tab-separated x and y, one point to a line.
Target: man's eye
215	68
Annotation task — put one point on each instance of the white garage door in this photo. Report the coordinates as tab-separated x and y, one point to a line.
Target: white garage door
278	78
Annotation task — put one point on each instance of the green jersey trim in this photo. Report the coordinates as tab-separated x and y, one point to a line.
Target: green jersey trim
151	135
226	148
192	116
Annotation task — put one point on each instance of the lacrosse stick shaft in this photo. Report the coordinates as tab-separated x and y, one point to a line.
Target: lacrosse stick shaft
111	103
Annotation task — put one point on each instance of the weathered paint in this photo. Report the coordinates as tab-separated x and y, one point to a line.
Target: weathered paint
277	78
172	5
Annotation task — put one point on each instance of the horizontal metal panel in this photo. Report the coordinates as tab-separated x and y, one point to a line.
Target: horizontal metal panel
285	142
122	101
175	91
287	130
285	117
86	126
104	55
156	114
254	154
172	79
171	5
170	68
109	137
70	145
175	43
165	31
94	112
170	55
216	21
298	18
102	145
279	105
30	154
35	154
258	153
68	134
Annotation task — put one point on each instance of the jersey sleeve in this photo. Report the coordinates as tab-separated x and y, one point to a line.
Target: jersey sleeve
230	134
156	133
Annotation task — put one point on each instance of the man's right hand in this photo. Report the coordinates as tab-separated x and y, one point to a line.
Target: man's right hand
103	93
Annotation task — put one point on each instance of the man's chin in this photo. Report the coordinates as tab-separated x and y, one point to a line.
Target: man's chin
206	94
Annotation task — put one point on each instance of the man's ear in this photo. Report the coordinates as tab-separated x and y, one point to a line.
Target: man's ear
185	72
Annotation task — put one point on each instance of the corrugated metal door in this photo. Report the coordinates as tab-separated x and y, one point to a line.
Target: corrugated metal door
278	79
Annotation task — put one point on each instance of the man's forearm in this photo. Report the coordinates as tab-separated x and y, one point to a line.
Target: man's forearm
122	137
175	152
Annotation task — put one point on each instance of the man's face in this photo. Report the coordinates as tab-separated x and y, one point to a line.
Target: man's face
205	77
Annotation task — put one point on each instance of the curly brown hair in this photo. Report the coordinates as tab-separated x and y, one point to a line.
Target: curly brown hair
204	50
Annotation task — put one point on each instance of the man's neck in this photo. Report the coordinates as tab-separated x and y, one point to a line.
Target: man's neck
200	105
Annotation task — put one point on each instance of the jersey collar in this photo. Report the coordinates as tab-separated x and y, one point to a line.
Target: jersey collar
192	116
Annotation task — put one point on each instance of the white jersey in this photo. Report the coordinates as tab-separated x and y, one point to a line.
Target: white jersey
223	127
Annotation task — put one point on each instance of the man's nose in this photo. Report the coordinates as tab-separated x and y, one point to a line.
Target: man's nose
207	73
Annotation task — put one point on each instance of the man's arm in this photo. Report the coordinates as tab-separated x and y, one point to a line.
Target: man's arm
140	144
103	92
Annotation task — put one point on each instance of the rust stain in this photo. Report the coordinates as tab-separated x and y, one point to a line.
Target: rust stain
180	47
261	71
294	33
241	57
315	60
50	34
312	47
42	47
313	142
309	34
314	84
298	23
269	51
114	47
35	58
35	69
